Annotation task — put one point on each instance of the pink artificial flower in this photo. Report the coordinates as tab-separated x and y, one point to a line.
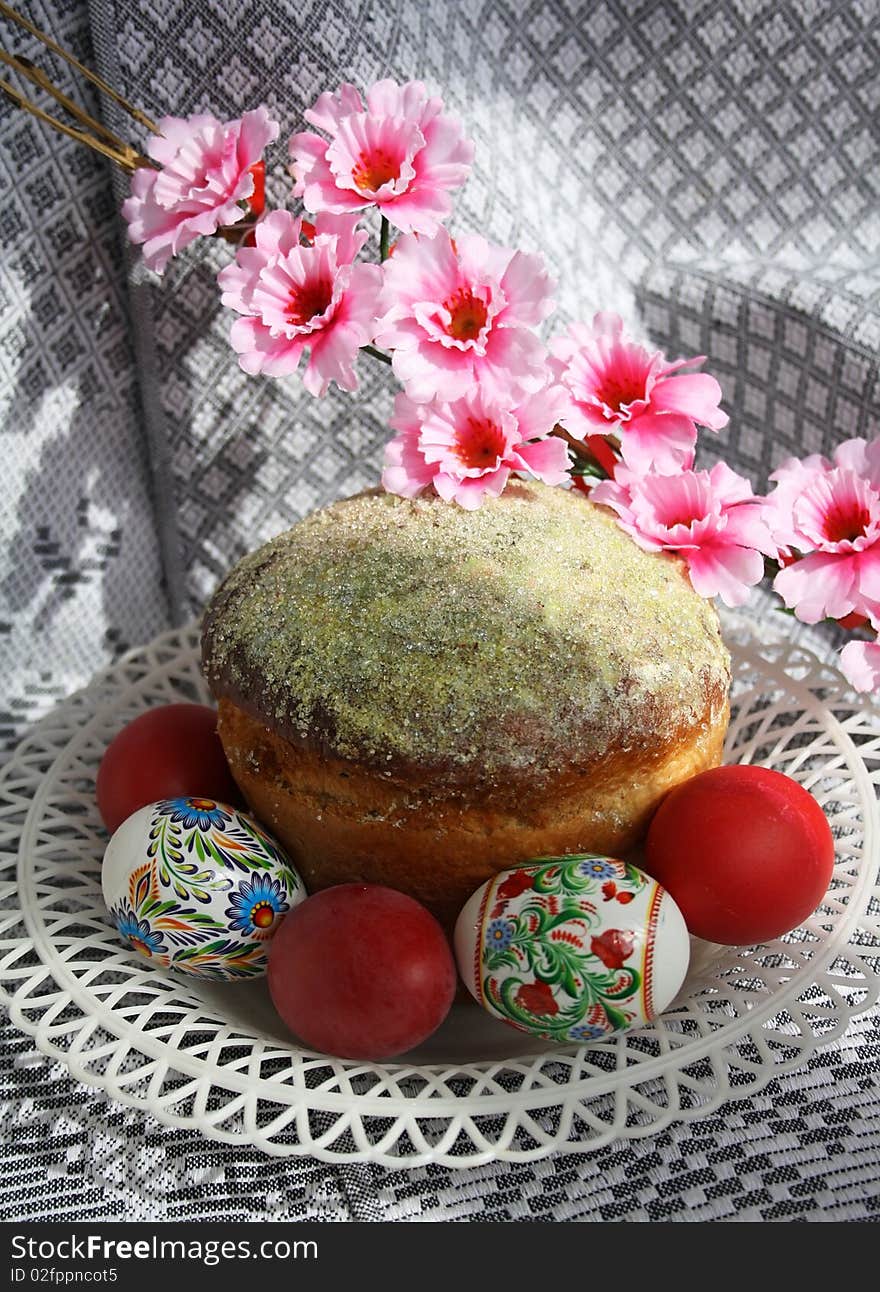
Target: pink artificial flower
836	520
459	313
618	387
468	448
401	153
205	176
295	295
860	664
710	518
792	478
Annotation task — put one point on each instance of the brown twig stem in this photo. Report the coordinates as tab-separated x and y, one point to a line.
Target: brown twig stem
128	156
79	135
578	448
376	354
97	80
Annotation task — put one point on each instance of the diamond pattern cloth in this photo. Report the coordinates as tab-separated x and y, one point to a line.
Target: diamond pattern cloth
80	574
710	170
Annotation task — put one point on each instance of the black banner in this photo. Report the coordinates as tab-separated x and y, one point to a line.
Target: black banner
303	1254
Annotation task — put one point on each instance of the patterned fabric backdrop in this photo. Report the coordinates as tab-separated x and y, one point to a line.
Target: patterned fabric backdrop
709	169
80	575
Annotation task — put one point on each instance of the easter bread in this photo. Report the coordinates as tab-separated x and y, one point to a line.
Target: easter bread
416	695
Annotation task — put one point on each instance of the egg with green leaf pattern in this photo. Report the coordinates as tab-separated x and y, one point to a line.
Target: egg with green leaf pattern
198	886
572	949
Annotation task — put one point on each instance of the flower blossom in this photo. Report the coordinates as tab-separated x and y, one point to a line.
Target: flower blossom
297	295
401	154
613	947
825	520
467	449
458	314
207	171
537	998
618	387
710	518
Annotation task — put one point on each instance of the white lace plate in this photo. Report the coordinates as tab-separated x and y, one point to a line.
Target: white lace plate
215	1058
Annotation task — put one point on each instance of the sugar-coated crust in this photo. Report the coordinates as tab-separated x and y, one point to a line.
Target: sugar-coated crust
487	654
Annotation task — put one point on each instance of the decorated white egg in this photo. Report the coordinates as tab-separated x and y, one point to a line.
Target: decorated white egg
195	885
573	948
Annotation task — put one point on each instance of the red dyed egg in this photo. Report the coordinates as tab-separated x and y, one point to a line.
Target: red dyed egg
166	753
746	852
361	971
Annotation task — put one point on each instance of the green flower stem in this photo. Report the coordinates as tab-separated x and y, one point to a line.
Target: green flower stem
384	239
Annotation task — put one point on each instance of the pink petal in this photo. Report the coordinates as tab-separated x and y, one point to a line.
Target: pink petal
528	288
406	472
537	414
421	269
258	130
547	459
606	323
431	372
725	571
664	441
470	493
868	574
728	487
745	526
696	395
417	211
330	109
175	133
259	351
349	237
514	365
872	462
332	355
447	156
581	420
611	494
676	365
860	663
408	416
388	99
480	259
819	586
852	456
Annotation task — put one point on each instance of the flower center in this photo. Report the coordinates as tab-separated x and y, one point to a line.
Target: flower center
207	804
141	946
619	390
375	169
846	521
468	315
308	301
683	517
262	915
480	444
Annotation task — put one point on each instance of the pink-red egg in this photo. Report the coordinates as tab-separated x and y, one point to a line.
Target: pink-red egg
746	852
361	971
169	752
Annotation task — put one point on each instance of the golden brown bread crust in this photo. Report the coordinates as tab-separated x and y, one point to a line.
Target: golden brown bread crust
343	823
420	696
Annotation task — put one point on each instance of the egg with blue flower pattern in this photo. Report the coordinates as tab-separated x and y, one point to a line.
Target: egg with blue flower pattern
198	886
572	949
